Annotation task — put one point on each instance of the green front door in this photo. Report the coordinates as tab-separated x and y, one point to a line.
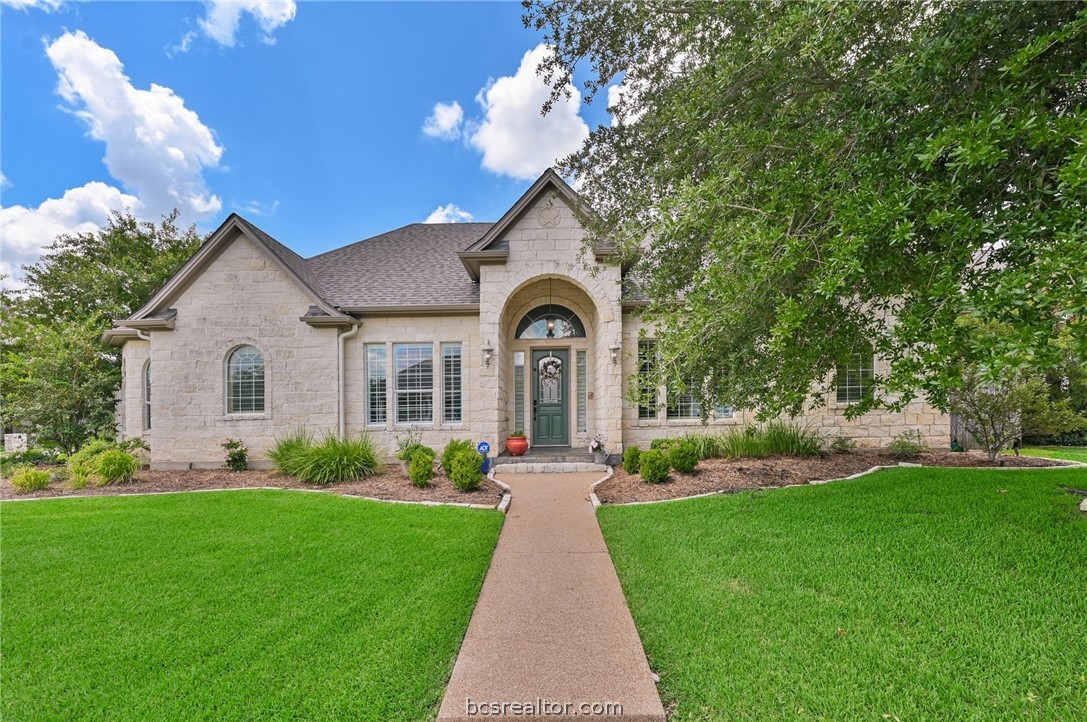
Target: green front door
549	398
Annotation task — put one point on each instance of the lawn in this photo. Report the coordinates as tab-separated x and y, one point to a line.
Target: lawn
235	605
1069	453
906	594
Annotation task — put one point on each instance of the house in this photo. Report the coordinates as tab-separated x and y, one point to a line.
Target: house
469	330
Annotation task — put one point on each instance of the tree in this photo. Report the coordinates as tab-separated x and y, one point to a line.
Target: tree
995	414
814	178
57	377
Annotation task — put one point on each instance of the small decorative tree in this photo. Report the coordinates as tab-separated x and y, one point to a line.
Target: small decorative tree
997	413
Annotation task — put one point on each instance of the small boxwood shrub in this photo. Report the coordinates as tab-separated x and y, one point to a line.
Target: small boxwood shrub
654	466
908	443
421	467
663	444
632	456
683	457
27	478
452	449
115	467
465	469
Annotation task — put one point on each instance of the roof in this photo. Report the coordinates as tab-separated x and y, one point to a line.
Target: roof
415	265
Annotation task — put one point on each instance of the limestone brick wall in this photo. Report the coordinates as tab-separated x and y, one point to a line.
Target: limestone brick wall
434	330
874	429
130	416
542	246
242	298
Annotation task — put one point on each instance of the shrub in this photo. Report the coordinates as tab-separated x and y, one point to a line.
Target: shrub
465	468
79	475
683	457
707	446
421	468
654	466
27	478
115	467
30	457
843	444
407	445
336	459
237	455
908	443
632	459
452	449
662	444
91	450
790	439
287	453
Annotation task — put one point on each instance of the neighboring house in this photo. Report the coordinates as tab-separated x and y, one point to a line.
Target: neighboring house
467	330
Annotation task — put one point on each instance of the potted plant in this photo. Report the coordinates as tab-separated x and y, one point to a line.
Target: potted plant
516	443
596	448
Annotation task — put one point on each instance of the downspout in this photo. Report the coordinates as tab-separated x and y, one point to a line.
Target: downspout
340	342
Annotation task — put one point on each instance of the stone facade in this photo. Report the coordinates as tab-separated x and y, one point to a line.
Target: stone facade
244	296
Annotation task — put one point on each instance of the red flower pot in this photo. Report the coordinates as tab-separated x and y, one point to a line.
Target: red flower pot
516	445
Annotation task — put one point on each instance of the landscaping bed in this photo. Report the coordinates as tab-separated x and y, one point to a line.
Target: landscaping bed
713	475
391	484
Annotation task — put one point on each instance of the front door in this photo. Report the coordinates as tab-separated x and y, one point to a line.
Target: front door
549	399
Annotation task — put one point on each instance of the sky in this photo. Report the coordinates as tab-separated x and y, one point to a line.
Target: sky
321	122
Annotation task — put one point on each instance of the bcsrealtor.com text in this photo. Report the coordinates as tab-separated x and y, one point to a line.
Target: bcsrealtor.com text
541	708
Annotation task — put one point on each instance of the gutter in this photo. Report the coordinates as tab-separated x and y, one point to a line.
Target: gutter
340	338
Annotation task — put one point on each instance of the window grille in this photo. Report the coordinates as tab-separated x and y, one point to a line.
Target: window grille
376	385
245	381
413	365
452	394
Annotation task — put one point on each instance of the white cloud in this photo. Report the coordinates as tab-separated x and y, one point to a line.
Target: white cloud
4	182
27	231
46	5
223	17
515	139
444	121
155	146
449	214
257	208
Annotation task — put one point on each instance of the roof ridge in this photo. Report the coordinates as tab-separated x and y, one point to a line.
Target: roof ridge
395	230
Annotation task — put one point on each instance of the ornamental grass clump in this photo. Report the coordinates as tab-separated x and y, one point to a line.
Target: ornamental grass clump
335	459
28	478
287	453
654	466
115	467
421	466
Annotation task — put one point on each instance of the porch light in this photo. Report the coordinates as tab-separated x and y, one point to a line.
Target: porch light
488	354
551	327
615	349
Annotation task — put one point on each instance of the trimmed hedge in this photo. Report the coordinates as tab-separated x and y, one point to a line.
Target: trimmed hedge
683	457
654	466
632	457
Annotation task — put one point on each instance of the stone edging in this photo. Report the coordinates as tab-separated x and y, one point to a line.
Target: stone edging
461	504
507	493
1063	465
592	489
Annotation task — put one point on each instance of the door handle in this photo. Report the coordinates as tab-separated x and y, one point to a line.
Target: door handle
534	402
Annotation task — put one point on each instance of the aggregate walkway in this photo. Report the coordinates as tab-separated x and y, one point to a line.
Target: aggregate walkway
551	637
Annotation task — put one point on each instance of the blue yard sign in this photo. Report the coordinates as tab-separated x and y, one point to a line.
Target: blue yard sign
484	448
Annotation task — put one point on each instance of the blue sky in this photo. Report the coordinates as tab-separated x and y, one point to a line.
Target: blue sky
322	122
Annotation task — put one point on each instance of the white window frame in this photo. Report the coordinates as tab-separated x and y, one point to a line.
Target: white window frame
369	367
445	391
863	365
263	412
146	384
398	392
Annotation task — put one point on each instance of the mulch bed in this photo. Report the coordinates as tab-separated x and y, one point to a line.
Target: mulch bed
714	475
390	485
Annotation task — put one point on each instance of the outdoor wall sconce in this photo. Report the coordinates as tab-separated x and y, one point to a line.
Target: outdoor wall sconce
615	354
488	354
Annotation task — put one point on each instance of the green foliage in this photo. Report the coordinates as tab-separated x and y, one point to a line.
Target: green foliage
996	413
421	467
288	452
517	435
453	448
409	443
683	457
90	451
237	455
707	446
465	468
632	456
654	466
908	443
776	438
27	478
663	444
31	457
334	459
115	467
843	444
813	178
79	475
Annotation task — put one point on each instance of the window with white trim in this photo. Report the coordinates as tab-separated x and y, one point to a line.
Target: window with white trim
854	379
245	381
452	391
683	404
647	390
147	396
376	385
413	374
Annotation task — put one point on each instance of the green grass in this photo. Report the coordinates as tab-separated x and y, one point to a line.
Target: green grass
915	593
235	606
1069	453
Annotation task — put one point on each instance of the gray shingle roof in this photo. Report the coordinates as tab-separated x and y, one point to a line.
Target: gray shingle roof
416	265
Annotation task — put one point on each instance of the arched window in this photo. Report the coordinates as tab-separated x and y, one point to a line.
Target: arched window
245	381
147	396
550	321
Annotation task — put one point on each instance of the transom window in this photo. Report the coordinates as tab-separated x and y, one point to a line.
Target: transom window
854	379
550	321
413	369
245	381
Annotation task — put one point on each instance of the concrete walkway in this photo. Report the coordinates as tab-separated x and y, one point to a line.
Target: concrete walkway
551	629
